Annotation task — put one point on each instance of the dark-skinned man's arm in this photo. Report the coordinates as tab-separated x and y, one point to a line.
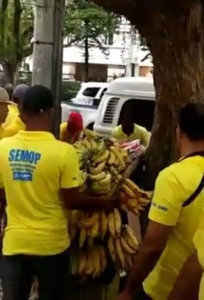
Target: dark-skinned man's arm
163	216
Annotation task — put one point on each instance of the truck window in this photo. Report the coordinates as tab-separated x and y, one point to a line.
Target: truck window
91	92
143	111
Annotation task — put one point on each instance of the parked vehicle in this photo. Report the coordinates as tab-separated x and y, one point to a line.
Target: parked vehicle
137	91
89	91
88	113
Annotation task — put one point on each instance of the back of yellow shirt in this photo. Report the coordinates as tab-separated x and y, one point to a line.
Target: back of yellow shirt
13	112
199	245
32	172
173	187
139	133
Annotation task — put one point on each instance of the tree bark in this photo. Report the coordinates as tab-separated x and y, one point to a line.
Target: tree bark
178	56
9	72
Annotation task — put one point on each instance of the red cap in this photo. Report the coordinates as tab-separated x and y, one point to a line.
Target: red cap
75	122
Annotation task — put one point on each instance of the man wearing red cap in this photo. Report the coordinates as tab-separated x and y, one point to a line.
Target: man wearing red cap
70	131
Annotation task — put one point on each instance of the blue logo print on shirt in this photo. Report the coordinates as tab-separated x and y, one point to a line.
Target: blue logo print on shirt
23	163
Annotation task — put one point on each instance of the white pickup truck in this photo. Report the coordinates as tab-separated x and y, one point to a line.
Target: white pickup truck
88	112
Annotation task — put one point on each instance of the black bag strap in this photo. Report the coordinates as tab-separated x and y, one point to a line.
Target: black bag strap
201	184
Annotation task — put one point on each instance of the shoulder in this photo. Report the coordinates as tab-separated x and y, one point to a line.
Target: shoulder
65	148
183	175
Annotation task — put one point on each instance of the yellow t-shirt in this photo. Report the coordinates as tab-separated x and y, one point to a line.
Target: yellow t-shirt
140	133
32	173
13	128
174	186
199	245
13	112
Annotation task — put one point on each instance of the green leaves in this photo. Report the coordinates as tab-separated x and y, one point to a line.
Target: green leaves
84	19
16	30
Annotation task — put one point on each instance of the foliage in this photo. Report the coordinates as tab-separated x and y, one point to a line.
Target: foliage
16	31
83	20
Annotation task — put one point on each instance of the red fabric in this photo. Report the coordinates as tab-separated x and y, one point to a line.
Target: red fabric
75	122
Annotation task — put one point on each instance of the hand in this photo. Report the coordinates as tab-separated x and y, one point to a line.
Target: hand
125	296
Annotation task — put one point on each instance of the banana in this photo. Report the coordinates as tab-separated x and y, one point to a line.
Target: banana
82	237
99	189
128	191
103	259
114	171
111	248
97	177
82	188
90	133
130	238
94	231
131	185
98	169
119	254
111	159
117	222
87	144
88	222
103	225
126	246
111	225
132	203
117	154
135	211
124	207
105	181
90	242
72	232
96	262
143	201
82	263
89	264
102	157
94	145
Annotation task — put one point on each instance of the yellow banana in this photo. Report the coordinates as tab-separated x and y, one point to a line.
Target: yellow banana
94	144
94	231
72	232
82	263
117	222
105	181
82	237
98	189
96	262
117	154
90	242
98	177
126	246
111	159
87	144
111	225
89	265
98	169
128	191
111	248
103	259
130	238
102	157
119	253
124	207
143	201
132	203
90	133
131	184
103	224
135	211
88	222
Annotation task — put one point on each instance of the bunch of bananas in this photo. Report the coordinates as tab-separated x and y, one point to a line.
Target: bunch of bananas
91	261
102	161
88	229
132	198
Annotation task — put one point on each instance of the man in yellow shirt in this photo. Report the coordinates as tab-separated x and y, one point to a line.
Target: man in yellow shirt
13	122
40	178
174	214
129	131
190	282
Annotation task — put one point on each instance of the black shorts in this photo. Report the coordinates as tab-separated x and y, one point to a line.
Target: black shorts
18	272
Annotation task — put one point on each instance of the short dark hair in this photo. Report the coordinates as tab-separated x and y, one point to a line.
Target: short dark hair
37	99
191	121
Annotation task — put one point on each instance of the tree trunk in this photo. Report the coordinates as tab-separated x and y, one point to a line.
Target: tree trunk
86	54
9	72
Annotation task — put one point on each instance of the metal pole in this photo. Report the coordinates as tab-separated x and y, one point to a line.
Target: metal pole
57	62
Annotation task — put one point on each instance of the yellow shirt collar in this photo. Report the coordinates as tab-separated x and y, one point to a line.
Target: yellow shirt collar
34	135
